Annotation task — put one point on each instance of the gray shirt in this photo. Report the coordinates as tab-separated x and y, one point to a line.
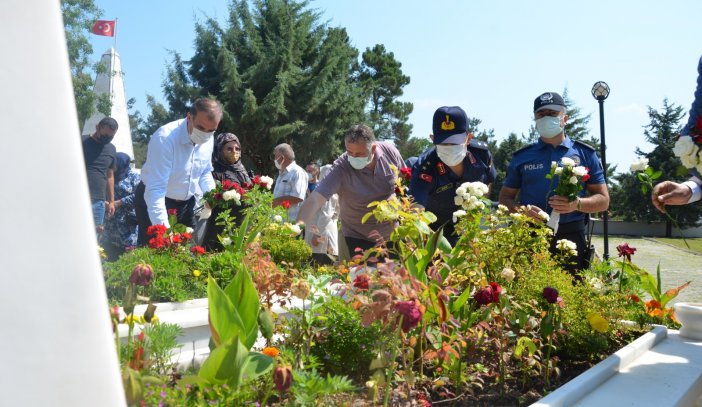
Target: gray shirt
358	188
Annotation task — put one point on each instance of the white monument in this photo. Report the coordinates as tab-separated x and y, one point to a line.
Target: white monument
56	335
111	82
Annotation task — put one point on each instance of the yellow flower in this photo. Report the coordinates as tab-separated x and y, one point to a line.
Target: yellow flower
101	251
271	351
597	323
197	273
134	319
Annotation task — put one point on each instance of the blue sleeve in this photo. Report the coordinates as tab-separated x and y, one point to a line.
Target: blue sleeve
128	200
419	188
513	178
492	172
595	170
696	109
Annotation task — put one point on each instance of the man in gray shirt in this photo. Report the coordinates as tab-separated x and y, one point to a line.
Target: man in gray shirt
360	176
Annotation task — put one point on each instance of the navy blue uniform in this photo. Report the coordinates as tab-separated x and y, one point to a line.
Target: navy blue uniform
433	184
527	172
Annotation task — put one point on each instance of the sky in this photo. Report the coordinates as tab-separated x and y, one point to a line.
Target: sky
490	57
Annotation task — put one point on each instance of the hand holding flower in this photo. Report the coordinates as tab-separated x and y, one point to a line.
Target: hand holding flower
562	204
670	193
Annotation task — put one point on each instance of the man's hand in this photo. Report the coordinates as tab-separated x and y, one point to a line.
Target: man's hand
670	193
110	208
562	205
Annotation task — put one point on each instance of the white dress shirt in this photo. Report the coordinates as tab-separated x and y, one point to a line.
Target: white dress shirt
174	168
695	185
292	181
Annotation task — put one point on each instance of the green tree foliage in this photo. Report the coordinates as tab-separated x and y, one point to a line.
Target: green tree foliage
281	76
501	157
628	201
381	79
78	18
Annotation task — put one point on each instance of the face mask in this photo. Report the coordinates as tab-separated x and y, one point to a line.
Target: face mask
451	154
278	165
310	176
549	126
231	157
200	137
359	163
104	138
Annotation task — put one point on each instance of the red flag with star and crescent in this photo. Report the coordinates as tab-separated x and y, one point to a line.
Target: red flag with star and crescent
104	27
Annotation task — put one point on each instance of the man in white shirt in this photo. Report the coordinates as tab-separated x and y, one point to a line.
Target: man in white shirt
291	184
178	161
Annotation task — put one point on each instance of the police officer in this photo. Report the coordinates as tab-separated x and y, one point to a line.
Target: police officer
526	176
456	158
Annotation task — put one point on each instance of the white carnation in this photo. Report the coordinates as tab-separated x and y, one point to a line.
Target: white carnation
226	241
558	171
580	171
459	213
508	274
231	195
573	179
266	181
684	147
567	162
458	200
639	165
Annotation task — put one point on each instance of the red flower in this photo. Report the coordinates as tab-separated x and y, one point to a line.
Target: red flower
227	185
286	204
186	235
411	314
496	290
698	124
197	250
282	377
157	242
257	180
247	185
406	173
177	238
586	177
634	298
483	296
173	212
218	196
626	251
362	282
142	275
551	294
156	230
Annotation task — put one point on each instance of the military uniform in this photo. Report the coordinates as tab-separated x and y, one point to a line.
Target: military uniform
527	172
433	184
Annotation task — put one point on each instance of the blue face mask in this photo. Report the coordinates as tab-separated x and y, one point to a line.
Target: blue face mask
549	126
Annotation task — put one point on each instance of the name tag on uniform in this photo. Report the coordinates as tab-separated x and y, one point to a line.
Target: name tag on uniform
533	167
444	188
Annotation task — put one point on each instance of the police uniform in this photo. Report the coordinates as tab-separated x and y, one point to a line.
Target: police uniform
527	172
433	184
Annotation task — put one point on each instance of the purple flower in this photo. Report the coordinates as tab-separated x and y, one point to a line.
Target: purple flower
483	296
551	295
142	274
411	314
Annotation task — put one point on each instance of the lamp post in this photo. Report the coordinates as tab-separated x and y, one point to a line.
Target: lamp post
600	91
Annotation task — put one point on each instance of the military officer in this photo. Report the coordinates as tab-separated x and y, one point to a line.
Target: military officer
455	158
526	175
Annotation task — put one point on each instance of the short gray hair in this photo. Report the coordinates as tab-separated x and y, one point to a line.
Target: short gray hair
210	107
285	150
360	133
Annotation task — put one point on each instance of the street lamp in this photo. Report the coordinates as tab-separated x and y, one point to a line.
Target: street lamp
600	91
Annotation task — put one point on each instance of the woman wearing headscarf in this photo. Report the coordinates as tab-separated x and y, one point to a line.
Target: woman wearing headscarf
121	229
226	161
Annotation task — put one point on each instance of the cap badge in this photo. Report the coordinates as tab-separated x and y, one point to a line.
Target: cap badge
546	97
448	124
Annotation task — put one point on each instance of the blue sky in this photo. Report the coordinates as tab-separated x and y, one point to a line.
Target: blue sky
490	57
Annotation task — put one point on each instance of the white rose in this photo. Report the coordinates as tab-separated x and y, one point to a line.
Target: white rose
554	165
460	191
508	274
688	161
294	229
226	241
596	283
231	195
266	181
684	146
458	200
580	171
573	179
639	165
278	218
567	162
459	213
567	245
558	170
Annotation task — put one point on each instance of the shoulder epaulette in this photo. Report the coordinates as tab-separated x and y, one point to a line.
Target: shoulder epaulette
427	160
479	144
584	144
523	149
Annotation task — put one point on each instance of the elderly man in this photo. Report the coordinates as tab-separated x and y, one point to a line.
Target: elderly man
362	175
313	177
455	159
672	193
178	161
100	165
526	176
291	184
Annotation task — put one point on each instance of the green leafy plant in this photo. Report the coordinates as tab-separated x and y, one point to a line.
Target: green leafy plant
161	340
311	389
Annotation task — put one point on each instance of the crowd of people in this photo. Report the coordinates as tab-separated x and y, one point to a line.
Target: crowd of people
185	159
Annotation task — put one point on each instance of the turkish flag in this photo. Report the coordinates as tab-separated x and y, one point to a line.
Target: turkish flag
104	27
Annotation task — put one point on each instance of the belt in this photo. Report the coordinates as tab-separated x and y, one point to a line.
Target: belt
180	200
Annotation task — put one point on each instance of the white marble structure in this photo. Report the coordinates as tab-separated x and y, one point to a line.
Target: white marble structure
112	83
56	331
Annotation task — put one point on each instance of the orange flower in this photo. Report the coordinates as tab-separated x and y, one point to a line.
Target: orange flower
271	351
652	305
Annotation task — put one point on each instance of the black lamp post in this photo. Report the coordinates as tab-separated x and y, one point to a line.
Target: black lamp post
600	91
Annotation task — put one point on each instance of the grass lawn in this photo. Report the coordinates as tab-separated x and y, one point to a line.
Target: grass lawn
695	243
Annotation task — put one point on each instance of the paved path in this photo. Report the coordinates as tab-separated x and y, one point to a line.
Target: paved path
677	266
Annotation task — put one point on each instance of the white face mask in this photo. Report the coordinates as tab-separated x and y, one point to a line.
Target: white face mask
310	176
452	154
200	137
359	163
549	126
278	165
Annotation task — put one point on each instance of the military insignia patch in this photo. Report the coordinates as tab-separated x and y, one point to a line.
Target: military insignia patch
471	158
425	177
441	168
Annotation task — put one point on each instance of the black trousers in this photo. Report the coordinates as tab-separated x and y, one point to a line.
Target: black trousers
185	213
575	232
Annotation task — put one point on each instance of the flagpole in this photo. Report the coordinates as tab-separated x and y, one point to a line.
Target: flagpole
115	44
